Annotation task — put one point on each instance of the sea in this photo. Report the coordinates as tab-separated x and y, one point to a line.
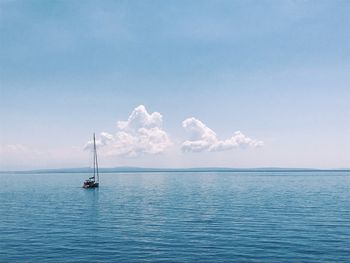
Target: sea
249	216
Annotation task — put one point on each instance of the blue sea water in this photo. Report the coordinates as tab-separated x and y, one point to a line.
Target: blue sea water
176	217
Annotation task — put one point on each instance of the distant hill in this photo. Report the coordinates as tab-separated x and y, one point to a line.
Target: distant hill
127	169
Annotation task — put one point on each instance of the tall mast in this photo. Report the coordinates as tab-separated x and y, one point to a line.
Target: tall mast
94	157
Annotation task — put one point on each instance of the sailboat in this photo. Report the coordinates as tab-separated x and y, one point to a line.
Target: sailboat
93	181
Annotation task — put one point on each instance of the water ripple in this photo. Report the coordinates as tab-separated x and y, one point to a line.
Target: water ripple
174	217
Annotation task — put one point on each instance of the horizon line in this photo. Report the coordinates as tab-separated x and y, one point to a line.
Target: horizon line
131	169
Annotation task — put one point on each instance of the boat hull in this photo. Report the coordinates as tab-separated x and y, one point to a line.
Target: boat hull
90	185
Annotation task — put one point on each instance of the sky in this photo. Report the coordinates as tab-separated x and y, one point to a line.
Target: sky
175	83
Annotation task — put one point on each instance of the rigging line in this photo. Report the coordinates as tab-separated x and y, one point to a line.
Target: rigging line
97	174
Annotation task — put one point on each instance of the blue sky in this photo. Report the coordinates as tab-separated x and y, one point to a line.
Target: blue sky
278	71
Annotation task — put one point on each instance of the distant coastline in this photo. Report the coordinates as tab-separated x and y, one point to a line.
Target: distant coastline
182	170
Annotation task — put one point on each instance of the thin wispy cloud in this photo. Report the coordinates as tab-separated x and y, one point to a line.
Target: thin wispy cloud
14	148
205	139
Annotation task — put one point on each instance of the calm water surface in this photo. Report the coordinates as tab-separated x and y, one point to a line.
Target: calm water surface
176	217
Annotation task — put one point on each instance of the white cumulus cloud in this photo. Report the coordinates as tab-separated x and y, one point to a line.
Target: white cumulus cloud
205	139
141	134
140	118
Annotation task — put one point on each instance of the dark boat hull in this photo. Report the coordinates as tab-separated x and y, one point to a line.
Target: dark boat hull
90	185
